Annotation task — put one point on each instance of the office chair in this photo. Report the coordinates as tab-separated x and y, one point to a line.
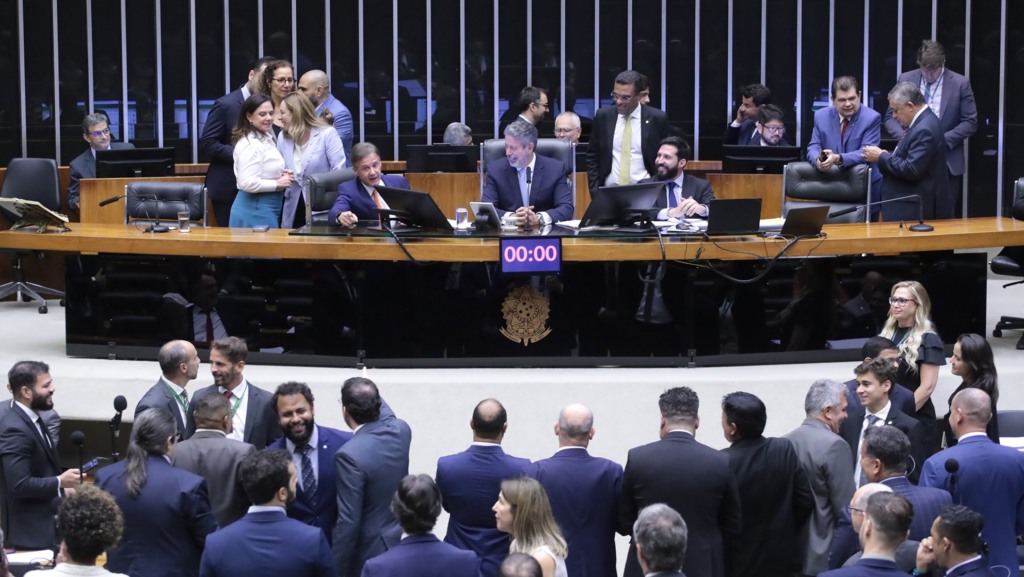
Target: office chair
805	185
494	149
156	201
1008	263
323	190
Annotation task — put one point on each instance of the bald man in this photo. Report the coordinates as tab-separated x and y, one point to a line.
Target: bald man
906	552
317	87
470	482
179	364
584	492
567	127
989	478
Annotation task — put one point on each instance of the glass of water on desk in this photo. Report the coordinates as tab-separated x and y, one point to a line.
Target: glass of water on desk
184	218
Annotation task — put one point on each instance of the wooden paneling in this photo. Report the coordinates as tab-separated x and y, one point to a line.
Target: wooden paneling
94	190
767	187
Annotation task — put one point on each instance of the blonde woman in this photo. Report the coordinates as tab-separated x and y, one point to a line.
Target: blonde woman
309	145
523	510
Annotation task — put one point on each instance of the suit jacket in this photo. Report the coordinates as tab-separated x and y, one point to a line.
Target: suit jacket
693	187
84	166
654	127
776	500
549	190
975	568
216	458
470	482
50	419
920	436
825	458
742	135
165	526
990	481
906	557
901	398
267	543
958	115
865	128
370	466
352	196
407	559
342	123
917	166
29	485
662	472
261	426
867	568
584	495
323	152
160	397
321	508
215	146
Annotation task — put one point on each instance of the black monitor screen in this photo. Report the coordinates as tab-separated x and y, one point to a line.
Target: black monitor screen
758	159
442	158
414	207
134	162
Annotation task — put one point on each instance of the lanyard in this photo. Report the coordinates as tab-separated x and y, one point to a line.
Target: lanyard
178	398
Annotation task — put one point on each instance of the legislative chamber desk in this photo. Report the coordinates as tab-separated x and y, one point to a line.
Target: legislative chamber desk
336	297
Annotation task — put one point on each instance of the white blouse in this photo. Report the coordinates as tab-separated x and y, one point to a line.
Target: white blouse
258	163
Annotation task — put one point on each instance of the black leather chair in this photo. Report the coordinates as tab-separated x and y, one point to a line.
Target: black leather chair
1008	263
494	149
805	185
323	190
1011	424
156	201
30	179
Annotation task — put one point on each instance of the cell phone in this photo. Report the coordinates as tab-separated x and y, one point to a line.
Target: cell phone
823	156
260	228
90	465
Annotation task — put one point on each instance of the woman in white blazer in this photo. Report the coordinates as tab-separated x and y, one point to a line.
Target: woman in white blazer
309	146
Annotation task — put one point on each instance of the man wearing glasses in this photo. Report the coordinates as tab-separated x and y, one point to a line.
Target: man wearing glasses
533	106
770	129
96	132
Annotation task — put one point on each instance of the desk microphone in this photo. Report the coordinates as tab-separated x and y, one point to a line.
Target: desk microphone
112	199
919	227
156	226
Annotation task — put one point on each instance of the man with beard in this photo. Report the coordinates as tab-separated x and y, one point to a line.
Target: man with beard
266	541
179	364
31	477
312	449
684	196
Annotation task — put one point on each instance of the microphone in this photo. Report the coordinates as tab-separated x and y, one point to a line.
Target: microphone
78	440
529	175
919	227
112	199
156	226
952	467
120	404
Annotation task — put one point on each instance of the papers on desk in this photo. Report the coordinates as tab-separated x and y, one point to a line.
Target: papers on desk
575	225
30	557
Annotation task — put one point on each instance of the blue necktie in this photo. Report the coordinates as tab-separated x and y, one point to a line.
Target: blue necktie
308	478
671	187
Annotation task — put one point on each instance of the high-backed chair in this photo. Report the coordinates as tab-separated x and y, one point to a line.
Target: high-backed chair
156	201
323	190
494	149
805	185
1009	263
30	179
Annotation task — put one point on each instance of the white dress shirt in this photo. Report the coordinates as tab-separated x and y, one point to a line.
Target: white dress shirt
258	163
238	416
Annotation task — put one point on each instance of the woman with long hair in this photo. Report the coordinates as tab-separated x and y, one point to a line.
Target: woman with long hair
523	510
972	361
260	172
309	146
277	81
166	510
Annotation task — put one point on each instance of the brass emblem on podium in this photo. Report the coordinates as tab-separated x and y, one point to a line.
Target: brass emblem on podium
526	315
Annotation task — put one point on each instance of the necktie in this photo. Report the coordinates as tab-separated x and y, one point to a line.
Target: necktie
625	150
209	326
184	399
872	420
671	187
227	395
44	433
376	199
842	130
308	478
524	185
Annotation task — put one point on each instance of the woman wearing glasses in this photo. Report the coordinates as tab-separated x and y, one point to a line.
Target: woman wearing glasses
277	81
972	361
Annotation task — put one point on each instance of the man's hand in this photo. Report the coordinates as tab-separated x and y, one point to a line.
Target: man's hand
925	555
688	207
526	218
872	153
69	479
830	160
347	218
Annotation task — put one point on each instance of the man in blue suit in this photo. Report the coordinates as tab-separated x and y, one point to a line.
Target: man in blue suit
96	132
369	467
358	199
584	493
841	130
312	448
886	522
317	87
988	478
954	545
416	505
266	541
470	482
534	187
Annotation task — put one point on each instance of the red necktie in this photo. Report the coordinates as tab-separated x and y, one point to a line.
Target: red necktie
842	131
227	395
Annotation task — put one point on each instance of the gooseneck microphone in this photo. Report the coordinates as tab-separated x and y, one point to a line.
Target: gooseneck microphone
919	227
120	404
953	467
156	226
78	440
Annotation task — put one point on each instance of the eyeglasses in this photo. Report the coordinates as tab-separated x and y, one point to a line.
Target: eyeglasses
900	301
565	130
100	133
775	129
622	97
284	80
543	105
852	509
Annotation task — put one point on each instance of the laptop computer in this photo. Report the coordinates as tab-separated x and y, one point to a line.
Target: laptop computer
805	221
734	216
414	207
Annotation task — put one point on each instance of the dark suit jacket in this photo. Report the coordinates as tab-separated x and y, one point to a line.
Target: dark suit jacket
693	187
654	127
901	398
775	499
50	419
865	128
267	543
370	466
549	190
423	556
919	434
584	495
470	482
917	166
662	472
29	486
975	568
320	509
216	458
742	135
160	397
352	196
84	166
165	526
867	568
261	426
215	146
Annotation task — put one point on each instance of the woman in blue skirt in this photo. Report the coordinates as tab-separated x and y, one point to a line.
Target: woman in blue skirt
259	167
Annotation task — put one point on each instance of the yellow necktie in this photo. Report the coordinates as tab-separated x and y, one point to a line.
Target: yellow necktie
624	152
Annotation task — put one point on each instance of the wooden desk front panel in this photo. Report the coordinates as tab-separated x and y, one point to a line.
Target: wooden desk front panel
451	190
767	187
94	190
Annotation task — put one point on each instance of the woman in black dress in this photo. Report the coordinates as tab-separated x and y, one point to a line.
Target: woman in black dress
972	361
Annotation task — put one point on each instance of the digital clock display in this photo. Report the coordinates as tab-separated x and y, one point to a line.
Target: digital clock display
537	255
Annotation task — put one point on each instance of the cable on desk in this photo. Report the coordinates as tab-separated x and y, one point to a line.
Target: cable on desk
771	261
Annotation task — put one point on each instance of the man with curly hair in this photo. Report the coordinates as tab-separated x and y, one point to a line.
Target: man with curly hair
90	522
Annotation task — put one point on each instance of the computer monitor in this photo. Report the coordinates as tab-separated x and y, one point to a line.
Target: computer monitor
414	208
134	162
442	158
758	159
622	205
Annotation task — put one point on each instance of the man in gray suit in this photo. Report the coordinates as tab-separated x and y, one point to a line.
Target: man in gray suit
216	458
96	132
179	364
370	466
825	458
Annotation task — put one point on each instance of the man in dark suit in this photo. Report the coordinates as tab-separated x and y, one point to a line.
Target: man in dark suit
584	494
312	448
216	147
96	132
770	129
358	199
266	541
216	458
685	196
906	552
775	497
951	98
917	165
742	130
661	537
647	127
534	187
532	106
31	477
50	417
989	477
663	472
416	504
470	482
369	467
886	522
179	364
252	415
954	545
